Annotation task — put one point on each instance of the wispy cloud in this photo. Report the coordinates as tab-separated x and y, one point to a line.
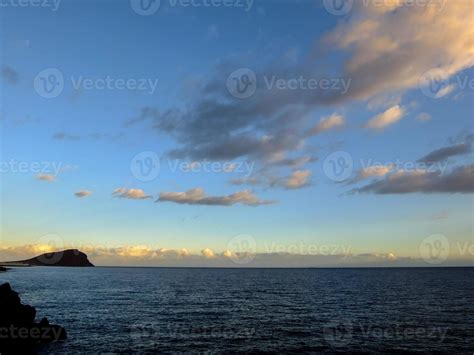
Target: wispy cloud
371	171
387	118
459	180
46	177
9	74
442	154
332	122
132	194
197	196
83	193
298	179
423	116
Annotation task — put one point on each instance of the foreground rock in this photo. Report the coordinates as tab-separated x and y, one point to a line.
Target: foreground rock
70	258
3	269
19	332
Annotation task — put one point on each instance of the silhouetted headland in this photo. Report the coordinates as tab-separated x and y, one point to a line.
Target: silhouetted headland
68	258
21	334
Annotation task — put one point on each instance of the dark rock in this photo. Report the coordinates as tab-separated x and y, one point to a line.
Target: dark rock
3	269
19	333
71	258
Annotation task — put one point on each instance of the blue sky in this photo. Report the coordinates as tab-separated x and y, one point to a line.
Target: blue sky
94	134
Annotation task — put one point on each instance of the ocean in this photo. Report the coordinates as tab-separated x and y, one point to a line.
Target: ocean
143	310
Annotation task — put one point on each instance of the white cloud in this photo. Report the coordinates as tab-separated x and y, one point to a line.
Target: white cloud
393	46
143	255
445	91
387	118
298	179
208	253
372	171
133	194
332	122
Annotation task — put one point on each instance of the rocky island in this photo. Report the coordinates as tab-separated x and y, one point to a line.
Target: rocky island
20	333
66	258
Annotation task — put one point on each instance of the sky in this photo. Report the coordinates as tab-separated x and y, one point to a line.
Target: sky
238	133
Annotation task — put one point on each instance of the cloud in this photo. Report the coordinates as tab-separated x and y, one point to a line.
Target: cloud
83	193
280	160
332	122
10	75
65	136
208	253
298	179
442	154
392	49
387	118
459	180
445	91
143	255
133	194
372	171
423	116
198	197
387	53
439	216
46	177
246	181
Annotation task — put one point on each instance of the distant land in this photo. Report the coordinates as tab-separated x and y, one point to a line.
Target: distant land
66	258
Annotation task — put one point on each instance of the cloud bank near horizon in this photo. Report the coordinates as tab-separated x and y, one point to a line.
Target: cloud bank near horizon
162	257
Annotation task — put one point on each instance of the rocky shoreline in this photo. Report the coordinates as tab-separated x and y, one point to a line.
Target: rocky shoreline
19	331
